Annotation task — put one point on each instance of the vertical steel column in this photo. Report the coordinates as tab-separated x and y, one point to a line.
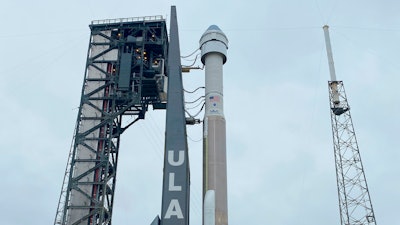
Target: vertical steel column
175	199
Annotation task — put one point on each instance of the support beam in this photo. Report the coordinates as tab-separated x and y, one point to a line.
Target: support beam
175	199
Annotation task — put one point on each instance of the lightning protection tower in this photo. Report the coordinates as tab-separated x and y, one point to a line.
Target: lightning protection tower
354	200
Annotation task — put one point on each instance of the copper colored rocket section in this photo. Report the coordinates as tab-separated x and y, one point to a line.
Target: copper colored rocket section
214	166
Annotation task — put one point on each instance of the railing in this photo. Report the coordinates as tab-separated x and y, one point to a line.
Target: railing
126	20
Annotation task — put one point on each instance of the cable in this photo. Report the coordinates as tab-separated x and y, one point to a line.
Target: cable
193	139
333	9
191	92
319	10
366	28
368	50
61	32
194	61
190	60
273	28
193	116
190	54
195	100
202	101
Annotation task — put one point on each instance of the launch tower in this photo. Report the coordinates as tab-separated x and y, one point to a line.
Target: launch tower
126	72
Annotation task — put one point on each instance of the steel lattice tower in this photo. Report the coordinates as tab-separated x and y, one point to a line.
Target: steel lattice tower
354	199
125	73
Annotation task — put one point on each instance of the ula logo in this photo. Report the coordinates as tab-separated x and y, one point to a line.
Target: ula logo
174	207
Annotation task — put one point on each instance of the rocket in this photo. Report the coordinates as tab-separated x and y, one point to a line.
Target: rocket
213	46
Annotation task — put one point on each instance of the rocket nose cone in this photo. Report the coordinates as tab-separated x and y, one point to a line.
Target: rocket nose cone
214	27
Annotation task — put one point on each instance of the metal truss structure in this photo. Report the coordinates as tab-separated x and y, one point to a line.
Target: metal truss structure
354	200
125	73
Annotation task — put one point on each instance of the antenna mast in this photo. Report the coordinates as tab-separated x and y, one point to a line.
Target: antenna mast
354	200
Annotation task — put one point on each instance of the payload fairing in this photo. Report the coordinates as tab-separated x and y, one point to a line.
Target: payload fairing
214	45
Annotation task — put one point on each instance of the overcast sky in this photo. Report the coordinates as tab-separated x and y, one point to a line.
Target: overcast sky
281	167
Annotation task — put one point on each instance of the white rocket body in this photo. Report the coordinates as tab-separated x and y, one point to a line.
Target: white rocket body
213	45
209	208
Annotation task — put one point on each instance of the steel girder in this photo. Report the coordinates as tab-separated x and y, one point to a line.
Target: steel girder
124	75
354	200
